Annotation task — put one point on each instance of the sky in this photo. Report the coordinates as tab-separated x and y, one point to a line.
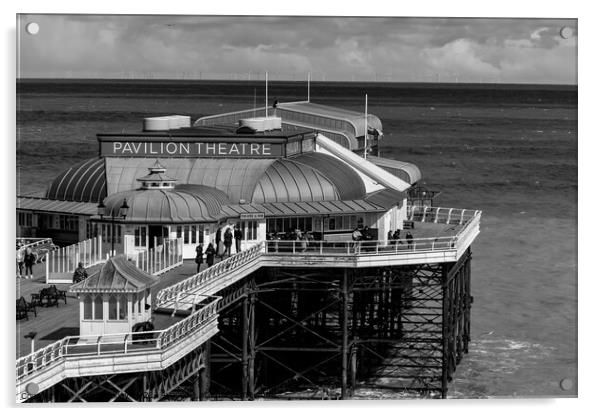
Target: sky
330	48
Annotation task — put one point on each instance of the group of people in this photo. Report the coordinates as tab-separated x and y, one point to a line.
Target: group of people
361	234
27	258
394	238
224	237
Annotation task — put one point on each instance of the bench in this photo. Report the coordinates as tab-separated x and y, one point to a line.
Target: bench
24	307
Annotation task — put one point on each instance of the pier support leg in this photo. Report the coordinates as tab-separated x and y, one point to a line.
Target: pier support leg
245	344
252	350
345	340
206	372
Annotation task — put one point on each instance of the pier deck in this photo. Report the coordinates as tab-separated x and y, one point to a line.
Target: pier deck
54	323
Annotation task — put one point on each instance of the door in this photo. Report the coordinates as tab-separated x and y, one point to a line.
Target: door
191	235
157	231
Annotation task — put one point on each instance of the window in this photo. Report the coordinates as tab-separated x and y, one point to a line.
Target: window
251	230
186	234
87	307
134	301
25	219
140	236
193	234
112	308
123	306
179	231
98	307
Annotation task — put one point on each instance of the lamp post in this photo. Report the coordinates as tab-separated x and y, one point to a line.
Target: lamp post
123	212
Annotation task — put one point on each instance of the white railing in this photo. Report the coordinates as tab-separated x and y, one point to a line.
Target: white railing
214	272
116	344
162	258
440	215
366	247
61	263
34	242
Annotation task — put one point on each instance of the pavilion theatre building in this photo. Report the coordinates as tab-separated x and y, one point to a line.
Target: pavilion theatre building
271	176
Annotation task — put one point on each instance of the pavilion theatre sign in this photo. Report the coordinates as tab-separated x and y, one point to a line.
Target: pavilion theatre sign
189	148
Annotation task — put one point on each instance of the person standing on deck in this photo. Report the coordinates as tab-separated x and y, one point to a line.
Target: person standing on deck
199	257
210	253
219	246
237	237
410	239
390	237
228	242
80	273
20	257
29	259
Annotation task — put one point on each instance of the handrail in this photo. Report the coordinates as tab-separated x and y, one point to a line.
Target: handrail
364	247
119	343
211	273
441	215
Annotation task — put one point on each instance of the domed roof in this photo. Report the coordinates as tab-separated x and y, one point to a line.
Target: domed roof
166	205
307	177
83	182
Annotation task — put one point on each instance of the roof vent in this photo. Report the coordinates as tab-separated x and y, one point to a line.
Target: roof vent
166	123
261	123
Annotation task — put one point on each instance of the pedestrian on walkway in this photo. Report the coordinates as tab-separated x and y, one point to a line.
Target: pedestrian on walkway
29	259
210	253
20	257
199	257
228	242
237	237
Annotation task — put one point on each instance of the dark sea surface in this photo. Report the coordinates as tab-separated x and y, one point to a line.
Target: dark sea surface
509	150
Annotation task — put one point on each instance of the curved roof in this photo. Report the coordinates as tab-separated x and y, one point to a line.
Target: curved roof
288	181
356	118
237	178
164	206
305	177
83	182
117	275
343	176
404	170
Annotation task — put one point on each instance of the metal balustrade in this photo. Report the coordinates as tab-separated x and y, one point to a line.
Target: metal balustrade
123	344
187	286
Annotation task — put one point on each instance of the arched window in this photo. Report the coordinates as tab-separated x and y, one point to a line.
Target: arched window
112	307
98	307
87	307
123	307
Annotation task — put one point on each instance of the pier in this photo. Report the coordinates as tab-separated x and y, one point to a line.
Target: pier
332	271
282	319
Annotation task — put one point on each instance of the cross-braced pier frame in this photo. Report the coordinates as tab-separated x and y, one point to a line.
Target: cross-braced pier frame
322	333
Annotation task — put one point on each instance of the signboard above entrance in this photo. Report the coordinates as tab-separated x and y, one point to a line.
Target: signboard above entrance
252	216
203	148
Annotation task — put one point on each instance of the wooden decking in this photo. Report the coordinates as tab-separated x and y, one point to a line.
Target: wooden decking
54	323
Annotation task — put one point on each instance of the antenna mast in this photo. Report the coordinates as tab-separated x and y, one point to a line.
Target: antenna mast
366	129
266	93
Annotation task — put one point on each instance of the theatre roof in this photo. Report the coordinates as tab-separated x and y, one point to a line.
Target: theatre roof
306	177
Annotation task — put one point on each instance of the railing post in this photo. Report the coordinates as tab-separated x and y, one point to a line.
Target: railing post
125	344
449	215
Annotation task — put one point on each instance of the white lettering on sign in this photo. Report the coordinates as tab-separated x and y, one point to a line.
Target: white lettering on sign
190	149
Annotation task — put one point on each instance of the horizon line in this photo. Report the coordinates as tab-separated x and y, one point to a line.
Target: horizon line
293	80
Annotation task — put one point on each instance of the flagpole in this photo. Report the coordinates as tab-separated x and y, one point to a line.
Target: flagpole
266	93
366	129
